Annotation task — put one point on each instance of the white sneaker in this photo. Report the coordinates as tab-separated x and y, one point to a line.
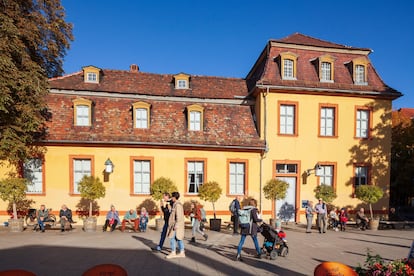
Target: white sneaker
171	255
181	254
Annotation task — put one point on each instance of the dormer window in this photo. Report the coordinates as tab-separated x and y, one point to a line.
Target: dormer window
288	64
358	68
195	117
91	77
91	74
82	109
324	66
141	115
182	81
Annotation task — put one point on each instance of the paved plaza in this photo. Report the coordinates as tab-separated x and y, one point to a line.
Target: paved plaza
71	253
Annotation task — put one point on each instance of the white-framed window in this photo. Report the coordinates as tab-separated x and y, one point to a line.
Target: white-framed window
142	176
195	170
82	115
91	77
141	118
360	74
327	121
195	120
287	119
361	176
326	73
33	172
237	178
182	84
362	123
81	167
288	69
282	168
325	174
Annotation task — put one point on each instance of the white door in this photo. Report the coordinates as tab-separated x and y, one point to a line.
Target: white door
285	208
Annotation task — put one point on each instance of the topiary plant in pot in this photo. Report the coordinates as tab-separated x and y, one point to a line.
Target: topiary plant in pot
158	188
13	189
370	194
91	188
275	189
211	191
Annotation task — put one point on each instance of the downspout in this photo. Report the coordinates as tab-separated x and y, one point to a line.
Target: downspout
263	154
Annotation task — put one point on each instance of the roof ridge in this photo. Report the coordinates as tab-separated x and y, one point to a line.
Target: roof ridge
66	76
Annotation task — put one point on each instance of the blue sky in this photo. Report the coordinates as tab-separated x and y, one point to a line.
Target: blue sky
224	38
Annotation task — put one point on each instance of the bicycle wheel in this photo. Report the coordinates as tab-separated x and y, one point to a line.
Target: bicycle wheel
31	221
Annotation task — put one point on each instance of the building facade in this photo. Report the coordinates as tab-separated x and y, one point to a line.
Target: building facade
309	112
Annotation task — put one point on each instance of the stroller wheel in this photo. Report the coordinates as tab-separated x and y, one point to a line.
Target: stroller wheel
273	254
284	252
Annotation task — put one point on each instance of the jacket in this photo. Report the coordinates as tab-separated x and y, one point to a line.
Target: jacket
114	215
176	221
67	213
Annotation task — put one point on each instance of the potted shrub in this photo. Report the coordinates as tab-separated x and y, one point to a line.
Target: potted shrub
13	189
326	192
158	188
211	191
91	188
275	189
370	194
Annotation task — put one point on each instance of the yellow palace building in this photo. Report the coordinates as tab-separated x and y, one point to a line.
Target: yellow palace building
309	112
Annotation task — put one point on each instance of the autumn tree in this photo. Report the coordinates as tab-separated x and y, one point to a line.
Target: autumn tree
34	38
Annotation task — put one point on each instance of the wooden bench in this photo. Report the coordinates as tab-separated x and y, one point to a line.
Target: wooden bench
384	224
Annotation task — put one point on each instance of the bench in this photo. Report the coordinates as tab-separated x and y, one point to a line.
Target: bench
384	224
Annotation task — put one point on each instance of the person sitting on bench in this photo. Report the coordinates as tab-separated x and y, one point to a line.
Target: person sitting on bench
42	217
65	215
362	220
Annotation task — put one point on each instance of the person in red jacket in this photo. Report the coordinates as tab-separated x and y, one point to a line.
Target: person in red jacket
196	219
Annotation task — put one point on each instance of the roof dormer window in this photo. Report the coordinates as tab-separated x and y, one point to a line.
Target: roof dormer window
326	68
182	81
358	68
91	74
288	64
195	117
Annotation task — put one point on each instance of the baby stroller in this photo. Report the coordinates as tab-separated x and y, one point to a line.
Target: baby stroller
275	243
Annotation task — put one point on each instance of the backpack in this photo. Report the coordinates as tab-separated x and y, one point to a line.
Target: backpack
203	215
245	217
232	207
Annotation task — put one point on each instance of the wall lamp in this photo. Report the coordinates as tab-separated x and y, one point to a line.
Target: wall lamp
315	170
109	166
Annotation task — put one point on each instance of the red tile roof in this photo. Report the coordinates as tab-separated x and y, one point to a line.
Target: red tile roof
141	83
226	125
267	70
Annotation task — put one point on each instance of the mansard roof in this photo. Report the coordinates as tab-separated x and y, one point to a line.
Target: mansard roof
142	83
227	121
266	71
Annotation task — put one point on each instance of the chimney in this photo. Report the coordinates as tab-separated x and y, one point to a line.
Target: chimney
133	68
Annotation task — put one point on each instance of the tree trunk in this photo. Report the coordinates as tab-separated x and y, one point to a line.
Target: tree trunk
90	208
214	211
14	210
370	210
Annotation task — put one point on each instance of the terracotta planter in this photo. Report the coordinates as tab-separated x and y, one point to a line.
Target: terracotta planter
89	224
159	224
374	224
16	225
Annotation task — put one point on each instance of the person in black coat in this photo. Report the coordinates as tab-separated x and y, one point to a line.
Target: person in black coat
65	215
166	210
251	230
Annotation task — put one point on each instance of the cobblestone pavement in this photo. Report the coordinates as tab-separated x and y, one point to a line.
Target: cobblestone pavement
72	253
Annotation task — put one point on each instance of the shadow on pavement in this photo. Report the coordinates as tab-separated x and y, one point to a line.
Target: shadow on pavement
378	242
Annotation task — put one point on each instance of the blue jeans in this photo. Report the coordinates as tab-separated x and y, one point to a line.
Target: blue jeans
143	226
163	235
180	244
243	238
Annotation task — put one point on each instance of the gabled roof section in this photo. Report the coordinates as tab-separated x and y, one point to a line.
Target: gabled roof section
141	83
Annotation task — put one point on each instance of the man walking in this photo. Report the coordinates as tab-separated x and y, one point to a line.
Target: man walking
321	212
234	209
